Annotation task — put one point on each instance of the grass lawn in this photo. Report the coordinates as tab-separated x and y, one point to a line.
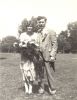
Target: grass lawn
11	84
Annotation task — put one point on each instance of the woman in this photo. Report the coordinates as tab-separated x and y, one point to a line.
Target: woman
28	45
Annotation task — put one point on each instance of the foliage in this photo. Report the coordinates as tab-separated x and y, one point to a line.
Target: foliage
22	27
72	27
63	42
7	44
68	43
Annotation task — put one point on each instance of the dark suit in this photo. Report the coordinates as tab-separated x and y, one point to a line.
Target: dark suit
48	47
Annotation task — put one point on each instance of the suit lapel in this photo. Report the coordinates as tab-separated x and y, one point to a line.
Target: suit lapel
44	34
44	37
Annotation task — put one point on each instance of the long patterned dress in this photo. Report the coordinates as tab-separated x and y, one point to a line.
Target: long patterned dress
27	55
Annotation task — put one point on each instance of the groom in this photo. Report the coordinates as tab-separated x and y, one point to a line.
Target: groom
48	48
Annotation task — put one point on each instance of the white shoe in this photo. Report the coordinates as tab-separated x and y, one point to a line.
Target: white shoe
41	90
26	88
52	92
30	89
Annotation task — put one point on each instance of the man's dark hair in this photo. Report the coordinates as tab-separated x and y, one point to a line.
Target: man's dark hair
41	17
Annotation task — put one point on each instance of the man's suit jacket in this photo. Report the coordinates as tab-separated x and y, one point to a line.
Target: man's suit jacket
48	43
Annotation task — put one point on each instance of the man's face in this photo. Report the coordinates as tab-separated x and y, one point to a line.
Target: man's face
41	23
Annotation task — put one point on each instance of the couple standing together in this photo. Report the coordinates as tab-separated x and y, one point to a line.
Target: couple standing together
38	55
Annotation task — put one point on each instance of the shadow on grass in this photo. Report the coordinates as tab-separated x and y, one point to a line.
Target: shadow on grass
3	58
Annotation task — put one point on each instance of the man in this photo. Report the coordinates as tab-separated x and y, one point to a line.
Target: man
48	47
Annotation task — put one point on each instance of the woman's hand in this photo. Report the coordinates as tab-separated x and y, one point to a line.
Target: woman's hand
22	44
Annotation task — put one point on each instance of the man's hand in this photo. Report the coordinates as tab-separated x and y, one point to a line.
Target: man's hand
52	59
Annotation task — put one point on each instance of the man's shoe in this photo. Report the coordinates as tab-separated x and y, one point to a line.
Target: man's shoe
52	92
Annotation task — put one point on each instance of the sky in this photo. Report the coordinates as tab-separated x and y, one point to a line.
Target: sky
58	12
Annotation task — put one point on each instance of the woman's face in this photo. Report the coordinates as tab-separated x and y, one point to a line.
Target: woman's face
29	29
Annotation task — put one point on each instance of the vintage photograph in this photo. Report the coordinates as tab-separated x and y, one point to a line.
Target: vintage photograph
38	50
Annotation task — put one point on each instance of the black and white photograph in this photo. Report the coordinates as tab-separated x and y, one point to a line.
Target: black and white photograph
38	49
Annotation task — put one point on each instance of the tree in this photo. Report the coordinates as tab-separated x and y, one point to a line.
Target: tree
0	45
34	23
63	42
72	27
7	44
22	27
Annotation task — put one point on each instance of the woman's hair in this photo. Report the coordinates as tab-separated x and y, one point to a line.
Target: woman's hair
25	23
